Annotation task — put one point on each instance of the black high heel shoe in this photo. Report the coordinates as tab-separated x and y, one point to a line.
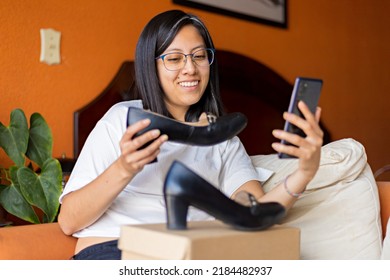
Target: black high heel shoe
219	129
182	188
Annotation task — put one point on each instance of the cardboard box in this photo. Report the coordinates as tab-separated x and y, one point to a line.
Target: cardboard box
208	240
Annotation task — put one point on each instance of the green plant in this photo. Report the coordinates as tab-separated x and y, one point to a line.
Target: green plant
34	181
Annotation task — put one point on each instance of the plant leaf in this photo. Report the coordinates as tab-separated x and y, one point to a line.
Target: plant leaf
13	201
14	138
42	190
40	143
51	178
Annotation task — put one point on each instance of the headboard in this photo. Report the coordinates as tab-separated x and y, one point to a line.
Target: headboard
85	118
246	85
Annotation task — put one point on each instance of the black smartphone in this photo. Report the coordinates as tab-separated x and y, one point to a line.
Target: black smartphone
308	90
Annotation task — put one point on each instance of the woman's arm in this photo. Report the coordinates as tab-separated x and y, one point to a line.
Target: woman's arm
308	152
83	207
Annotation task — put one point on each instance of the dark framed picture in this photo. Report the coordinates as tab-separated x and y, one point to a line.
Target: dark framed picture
271	12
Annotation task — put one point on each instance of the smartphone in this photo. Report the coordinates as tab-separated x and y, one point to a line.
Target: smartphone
308	90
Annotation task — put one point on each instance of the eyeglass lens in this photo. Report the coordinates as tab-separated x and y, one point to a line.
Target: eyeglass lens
177	61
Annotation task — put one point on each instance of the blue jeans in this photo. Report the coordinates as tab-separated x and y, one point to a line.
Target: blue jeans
102	251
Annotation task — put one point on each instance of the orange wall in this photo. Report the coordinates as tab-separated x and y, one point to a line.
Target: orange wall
347	43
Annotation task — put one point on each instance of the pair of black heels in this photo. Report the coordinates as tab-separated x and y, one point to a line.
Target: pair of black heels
182	187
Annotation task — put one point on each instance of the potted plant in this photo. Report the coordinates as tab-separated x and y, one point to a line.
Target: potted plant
30	188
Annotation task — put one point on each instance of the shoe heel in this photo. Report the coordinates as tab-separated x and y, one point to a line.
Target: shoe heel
177	209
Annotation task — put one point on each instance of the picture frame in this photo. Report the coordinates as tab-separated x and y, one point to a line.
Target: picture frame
270	12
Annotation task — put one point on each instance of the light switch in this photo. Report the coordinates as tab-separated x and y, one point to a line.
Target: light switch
50	46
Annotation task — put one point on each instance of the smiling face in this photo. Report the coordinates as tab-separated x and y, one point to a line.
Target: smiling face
184	87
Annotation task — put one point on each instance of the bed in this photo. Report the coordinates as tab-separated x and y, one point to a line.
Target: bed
246	85
254	89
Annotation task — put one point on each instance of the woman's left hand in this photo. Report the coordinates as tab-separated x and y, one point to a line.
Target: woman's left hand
308	149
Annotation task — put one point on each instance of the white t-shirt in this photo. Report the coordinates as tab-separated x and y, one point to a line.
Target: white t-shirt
226	166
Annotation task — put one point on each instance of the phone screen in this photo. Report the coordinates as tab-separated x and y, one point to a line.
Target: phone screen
308	90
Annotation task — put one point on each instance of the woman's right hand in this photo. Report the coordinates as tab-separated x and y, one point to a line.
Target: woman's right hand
133	157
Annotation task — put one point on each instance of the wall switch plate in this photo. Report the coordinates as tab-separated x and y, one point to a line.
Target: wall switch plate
50	46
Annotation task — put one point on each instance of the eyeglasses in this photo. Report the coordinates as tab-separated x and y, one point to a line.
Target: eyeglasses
176	61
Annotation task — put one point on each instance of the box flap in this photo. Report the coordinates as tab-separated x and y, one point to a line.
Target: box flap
208	240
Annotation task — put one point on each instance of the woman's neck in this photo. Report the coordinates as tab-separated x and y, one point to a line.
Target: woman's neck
178	113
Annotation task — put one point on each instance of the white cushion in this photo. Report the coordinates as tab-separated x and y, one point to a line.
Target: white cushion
339	214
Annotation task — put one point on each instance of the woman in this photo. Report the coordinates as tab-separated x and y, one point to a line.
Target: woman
117	181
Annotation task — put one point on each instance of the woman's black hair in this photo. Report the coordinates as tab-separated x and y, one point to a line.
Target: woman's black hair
155	38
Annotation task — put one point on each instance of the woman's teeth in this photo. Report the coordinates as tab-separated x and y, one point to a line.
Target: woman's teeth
189	84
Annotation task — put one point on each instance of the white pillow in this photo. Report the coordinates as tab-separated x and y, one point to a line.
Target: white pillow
339	214
340	160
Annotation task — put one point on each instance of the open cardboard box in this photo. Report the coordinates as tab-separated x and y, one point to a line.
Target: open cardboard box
208	240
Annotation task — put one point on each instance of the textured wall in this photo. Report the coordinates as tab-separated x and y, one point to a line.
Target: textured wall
344	42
